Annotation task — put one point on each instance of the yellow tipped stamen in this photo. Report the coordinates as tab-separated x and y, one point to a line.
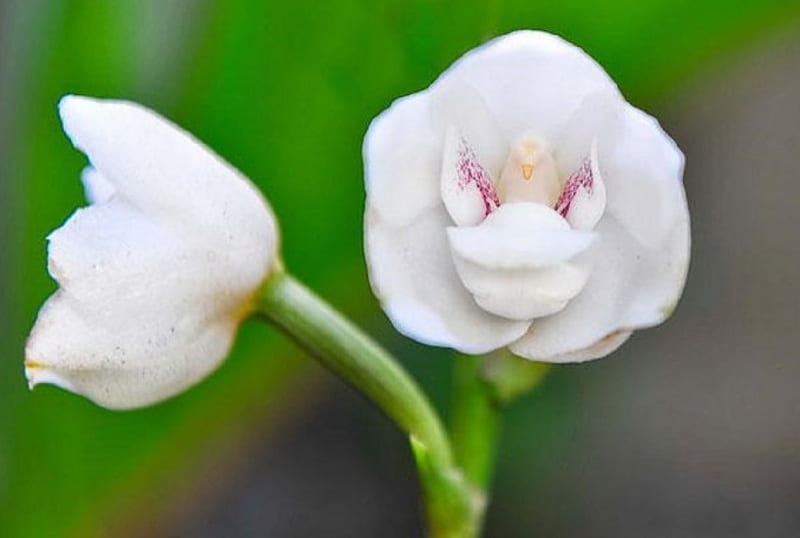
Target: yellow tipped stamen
527	171
32	364
529	174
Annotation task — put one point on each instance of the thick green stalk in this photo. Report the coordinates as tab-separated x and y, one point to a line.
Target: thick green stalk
356	358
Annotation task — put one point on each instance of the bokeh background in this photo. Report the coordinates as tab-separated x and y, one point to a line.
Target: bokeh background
691	430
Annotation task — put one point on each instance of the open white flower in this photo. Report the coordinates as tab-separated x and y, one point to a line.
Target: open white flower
520	201
157	273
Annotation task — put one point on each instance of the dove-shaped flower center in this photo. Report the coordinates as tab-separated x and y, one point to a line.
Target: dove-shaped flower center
529	175
521	202
515	235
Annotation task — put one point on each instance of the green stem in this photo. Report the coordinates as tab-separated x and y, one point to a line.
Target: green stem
482	389
353	356
475	422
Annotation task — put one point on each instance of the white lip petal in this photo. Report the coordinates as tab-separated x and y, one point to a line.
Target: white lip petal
156	275
518	236
515	263
521	294
412	273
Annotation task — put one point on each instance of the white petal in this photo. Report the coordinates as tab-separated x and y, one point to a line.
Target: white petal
640	262
165	171
402	161
467	189
517	236
516	262
38	375
530	80
143	311
583	200
606	345
630	286
98	189
412	273
455	103
642	168
149	296
596	120
521	294
123	360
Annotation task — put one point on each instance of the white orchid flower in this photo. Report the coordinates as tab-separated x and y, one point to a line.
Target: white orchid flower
157	273
520	201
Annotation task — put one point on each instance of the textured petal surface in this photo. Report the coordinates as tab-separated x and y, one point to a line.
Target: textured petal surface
412	273
154	277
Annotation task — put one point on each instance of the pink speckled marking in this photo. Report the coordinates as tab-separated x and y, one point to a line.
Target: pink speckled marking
470	171
582	177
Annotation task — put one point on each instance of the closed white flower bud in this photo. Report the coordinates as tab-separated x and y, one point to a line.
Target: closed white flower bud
155	275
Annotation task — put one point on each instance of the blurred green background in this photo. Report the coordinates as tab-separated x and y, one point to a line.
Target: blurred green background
285	91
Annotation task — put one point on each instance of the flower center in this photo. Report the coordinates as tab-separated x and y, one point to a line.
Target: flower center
529	173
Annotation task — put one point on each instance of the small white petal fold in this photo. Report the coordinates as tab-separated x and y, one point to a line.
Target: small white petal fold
583	200
517	264
519	236
468	191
